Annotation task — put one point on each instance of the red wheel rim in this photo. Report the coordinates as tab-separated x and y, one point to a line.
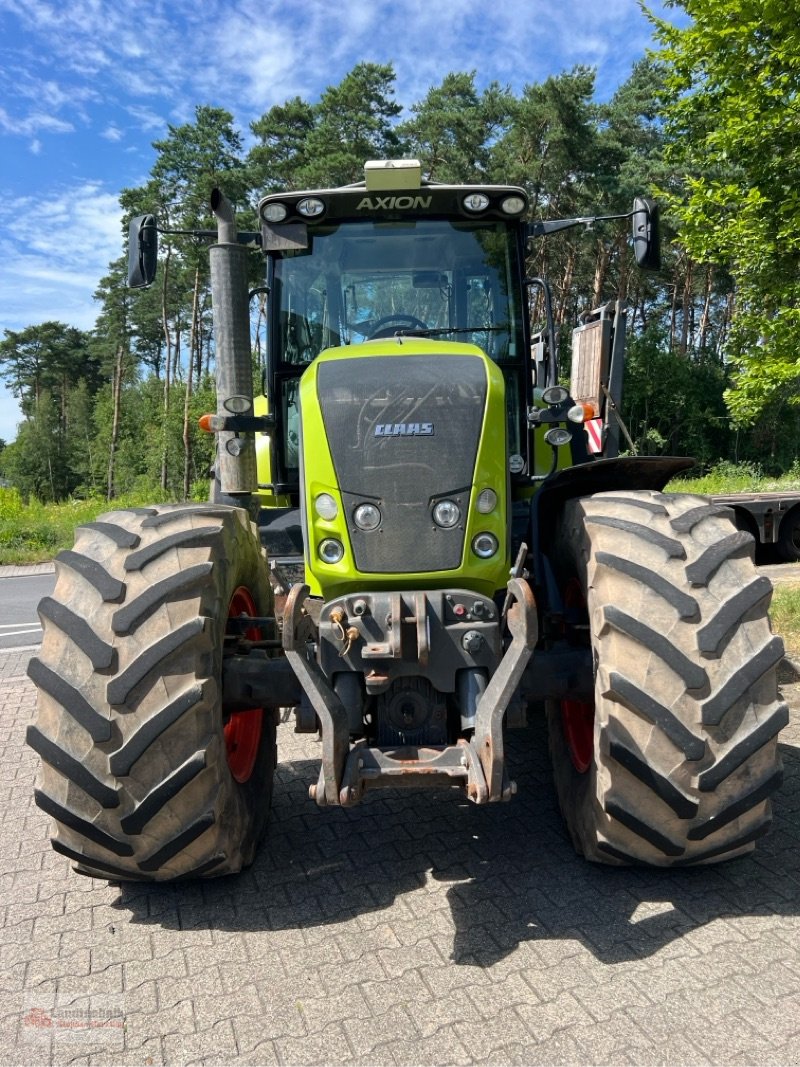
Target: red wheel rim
577	716
243	729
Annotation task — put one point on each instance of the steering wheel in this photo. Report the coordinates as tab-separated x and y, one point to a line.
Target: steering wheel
382	327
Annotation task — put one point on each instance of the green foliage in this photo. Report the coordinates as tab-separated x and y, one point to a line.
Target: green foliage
733	121
672	405
304	146
455	129
33	532
728	477
785	616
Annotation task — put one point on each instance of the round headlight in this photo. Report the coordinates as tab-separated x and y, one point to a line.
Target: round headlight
484	545
325	506
576	413
558	436
274	212
555	395
513	205
447	514
367	517
487	501
310	207
516	463
476	202
330	550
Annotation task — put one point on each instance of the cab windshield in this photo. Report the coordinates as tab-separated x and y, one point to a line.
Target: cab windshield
362	280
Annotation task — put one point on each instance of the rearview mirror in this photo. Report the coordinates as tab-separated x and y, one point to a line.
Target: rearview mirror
646	234
142	251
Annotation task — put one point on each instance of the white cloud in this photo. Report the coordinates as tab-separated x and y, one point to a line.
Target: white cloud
32	123
53	252
112	133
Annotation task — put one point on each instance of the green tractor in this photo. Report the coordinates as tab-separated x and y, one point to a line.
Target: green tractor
410	543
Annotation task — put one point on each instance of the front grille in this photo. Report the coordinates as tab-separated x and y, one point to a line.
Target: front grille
403	432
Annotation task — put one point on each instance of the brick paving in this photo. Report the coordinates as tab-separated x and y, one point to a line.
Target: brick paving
415	929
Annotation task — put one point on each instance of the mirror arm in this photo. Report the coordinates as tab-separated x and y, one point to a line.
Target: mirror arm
244	237
541	229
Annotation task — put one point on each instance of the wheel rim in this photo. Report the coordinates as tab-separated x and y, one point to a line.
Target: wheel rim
243	729
577	716
578	719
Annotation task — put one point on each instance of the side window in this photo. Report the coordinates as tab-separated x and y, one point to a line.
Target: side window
291	426
305	320
487	315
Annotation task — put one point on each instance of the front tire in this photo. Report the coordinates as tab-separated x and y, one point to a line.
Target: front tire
682	743
143	774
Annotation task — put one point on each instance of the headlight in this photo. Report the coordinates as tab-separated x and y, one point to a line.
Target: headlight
476	202
330	550
326	507
274	212
310	207
487	501
484	545
446	514
558	436
513	205
554	395
367	517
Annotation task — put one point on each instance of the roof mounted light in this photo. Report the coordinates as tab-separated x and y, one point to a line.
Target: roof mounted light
512	205
311	207
475	202
274	212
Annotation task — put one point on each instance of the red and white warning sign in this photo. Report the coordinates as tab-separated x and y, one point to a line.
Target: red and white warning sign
594	431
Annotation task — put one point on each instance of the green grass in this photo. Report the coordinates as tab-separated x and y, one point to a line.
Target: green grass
785	614
727	478
34	532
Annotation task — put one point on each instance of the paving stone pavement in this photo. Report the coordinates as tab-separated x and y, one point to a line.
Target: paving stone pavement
415	929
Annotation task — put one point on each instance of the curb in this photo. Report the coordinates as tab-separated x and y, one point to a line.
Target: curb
23	570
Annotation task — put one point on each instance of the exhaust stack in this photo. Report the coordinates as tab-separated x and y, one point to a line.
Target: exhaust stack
236	453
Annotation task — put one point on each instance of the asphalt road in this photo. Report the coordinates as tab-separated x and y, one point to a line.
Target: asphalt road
19	623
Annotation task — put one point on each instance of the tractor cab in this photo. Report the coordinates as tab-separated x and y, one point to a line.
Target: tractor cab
392	258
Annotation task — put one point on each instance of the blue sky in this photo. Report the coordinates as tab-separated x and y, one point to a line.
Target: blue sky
87	85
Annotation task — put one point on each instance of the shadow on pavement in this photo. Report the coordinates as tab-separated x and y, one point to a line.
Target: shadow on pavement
512	873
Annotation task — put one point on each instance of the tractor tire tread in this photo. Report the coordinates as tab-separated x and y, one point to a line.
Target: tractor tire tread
133	767
687	713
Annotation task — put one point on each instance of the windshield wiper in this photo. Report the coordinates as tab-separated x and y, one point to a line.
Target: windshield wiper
440	330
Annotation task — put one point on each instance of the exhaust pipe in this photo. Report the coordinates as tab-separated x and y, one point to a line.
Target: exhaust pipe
236	453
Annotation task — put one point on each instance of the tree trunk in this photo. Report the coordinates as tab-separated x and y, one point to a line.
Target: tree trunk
600	271
193	342
705	318
686	308
112	448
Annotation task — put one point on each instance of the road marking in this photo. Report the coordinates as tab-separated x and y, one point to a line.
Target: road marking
30	629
